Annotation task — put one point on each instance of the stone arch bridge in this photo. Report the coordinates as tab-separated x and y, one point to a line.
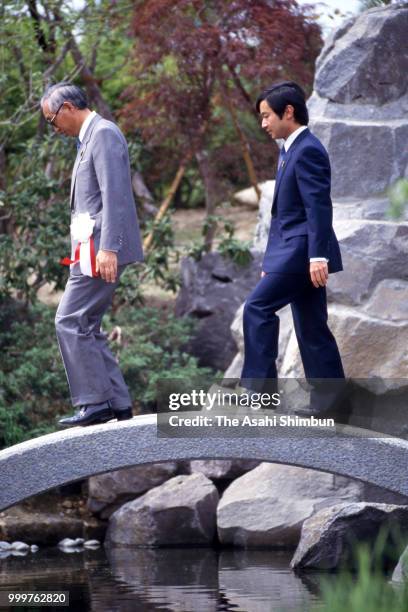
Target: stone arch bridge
43	463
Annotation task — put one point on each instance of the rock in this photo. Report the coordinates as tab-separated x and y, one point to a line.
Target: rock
71	549
233	372
107	492
360	102
375	208
375	143
92	544
267	506
180	511
19	546
400	573
390	300
382	246
67	543
211	291
328	537
222	469
249	197
4	554
363	63
264	222
285	328
368	345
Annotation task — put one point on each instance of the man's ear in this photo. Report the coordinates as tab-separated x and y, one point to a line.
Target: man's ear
68	105
289	112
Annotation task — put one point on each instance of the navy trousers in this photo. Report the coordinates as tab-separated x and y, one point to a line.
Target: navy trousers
318	348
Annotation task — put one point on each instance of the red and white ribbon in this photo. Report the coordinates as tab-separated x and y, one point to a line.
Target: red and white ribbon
81	231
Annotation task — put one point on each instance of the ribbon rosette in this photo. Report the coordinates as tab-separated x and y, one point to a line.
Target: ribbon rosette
81	232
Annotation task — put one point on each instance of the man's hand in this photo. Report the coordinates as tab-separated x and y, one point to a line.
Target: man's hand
319	273
107	265
263	274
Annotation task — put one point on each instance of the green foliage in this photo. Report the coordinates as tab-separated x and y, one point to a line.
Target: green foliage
368	588
398	195
152	348
237	250
33	386
36	206
32	378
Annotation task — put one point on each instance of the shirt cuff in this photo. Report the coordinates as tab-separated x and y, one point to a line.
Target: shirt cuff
318	259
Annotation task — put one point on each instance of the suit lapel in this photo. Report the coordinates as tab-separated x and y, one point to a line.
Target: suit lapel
81	153
286	163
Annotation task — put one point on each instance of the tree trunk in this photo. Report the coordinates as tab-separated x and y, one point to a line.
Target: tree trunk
167	200
242	139
209	182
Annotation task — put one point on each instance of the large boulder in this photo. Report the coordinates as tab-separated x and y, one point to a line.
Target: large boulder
377	145
363	61
370	346
249	197
360	101
108	491
222	469
285	328
180	511
372	251
212	290
267	506
330	536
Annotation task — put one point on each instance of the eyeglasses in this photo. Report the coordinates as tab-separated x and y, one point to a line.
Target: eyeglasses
51	121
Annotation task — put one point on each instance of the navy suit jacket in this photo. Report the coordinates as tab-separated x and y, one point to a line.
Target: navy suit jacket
302	211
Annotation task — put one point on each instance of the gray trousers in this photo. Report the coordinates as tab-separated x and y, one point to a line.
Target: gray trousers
92	371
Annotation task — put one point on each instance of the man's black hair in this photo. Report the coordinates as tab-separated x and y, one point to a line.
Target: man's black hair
278	96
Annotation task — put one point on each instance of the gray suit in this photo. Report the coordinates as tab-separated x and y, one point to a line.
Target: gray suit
101	186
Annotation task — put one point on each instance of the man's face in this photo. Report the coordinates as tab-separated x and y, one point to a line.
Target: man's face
63	120
272	123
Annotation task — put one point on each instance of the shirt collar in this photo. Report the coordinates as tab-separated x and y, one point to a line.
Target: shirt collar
290	139
85	125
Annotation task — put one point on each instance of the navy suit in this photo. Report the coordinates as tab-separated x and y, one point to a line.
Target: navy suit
301	228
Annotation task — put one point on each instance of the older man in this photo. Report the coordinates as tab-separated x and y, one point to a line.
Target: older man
105	238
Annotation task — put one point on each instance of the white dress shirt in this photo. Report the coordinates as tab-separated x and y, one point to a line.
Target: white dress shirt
84	126
288	142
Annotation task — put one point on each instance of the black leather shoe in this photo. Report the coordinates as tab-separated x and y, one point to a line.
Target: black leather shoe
122	414
89	415
329	399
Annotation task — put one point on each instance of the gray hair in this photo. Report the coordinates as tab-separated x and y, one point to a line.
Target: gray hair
64	92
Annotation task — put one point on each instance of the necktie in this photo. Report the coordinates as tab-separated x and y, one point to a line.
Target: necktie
282	158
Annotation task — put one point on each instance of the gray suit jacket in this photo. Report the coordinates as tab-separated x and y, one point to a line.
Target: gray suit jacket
101	185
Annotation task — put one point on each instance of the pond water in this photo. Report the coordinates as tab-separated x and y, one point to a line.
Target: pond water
172	579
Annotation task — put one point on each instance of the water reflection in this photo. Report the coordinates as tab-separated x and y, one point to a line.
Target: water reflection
172	579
